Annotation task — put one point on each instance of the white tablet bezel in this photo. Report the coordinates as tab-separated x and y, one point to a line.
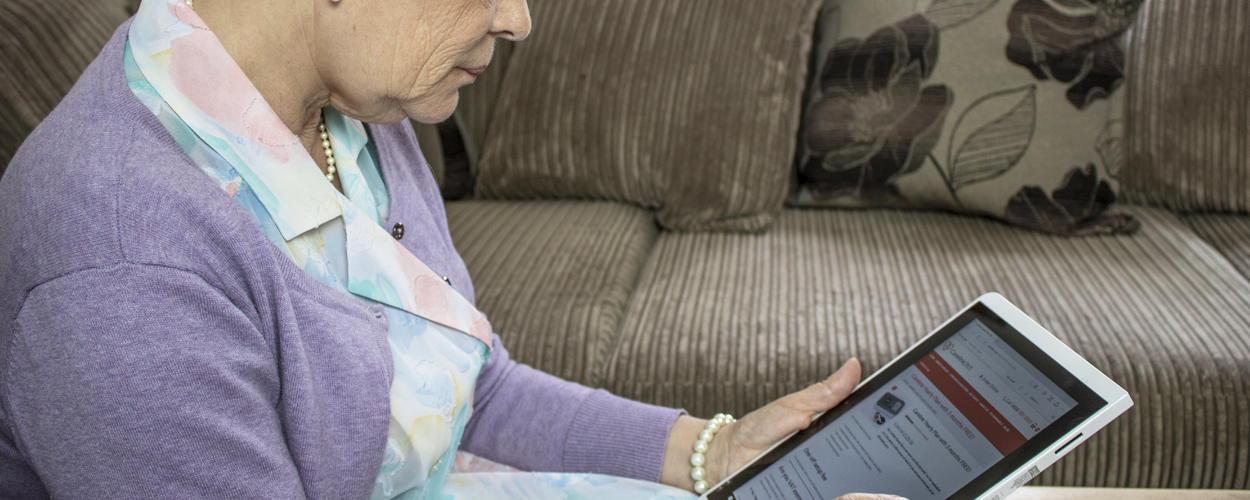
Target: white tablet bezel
1118	400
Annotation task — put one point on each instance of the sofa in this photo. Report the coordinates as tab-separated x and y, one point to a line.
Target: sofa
590	287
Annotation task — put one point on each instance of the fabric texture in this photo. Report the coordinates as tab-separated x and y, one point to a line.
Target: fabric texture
1187	124
554	275
1009	109
109	283
689	108
727	323
1230	234
44	46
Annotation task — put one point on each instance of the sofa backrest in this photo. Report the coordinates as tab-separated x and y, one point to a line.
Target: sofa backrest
685	108
44	46
1187	120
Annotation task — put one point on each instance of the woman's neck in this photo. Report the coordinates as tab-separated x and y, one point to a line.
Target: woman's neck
273	43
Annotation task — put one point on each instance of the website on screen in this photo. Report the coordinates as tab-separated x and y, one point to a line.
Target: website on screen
926	433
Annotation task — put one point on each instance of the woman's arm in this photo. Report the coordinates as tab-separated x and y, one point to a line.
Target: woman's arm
535	421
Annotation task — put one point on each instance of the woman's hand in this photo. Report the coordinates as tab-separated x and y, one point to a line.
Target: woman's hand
740	442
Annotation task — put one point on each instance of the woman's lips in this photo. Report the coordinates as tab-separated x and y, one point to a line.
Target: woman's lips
474	72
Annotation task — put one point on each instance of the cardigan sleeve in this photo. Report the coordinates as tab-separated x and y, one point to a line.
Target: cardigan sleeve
535	421
141	381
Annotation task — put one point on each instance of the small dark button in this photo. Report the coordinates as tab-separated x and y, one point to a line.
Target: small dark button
398	231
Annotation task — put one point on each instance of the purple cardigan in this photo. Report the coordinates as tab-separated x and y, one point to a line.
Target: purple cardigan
153	343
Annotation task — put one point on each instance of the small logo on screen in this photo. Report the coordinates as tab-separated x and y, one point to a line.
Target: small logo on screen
948	346
876	417
890	403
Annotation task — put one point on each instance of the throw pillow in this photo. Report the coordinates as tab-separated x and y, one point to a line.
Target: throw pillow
1005	108
688	107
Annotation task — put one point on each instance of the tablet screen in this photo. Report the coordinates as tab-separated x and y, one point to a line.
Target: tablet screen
972	404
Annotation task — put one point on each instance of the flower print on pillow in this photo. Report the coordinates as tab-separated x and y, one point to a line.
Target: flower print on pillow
875	118
1020	120
1072	41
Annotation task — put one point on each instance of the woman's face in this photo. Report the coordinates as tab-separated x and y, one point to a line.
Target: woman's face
384	60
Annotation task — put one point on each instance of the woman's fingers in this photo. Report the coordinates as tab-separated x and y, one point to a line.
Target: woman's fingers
767	425
826	394
796	410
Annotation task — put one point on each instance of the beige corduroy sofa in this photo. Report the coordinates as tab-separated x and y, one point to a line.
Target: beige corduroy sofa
597	292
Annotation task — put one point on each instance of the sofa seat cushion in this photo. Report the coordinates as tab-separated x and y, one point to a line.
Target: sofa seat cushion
553	277
1230	234
723	322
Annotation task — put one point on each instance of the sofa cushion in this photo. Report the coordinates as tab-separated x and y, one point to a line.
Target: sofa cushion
553	277
44	46
724	322
1230	234
1187	125
1010	109
687	107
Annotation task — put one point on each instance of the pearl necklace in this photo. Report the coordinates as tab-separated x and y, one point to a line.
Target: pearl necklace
325	143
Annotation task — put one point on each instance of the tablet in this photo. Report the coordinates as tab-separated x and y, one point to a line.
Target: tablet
974	410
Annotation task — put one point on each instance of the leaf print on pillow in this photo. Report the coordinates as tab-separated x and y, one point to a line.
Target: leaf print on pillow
996	130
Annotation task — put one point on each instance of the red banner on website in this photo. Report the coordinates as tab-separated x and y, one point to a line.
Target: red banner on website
986	420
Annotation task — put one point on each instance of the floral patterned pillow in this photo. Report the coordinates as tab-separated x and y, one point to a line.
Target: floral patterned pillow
1005	108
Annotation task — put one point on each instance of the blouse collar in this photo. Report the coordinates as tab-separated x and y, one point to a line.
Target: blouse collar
186	63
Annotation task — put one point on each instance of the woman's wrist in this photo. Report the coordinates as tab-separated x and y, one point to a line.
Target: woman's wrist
700	451
676	468
679	448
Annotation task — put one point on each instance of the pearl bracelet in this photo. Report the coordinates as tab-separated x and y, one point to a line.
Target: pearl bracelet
698	473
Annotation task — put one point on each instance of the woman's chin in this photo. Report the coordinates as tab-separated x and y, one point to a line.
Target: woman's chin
435	111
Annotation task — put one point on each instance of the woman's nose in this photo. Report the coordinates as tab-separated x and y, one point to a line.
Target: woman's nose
512	20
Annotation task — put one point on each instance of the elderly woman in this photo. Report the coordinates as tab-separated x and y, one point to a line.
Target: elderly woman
220	283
